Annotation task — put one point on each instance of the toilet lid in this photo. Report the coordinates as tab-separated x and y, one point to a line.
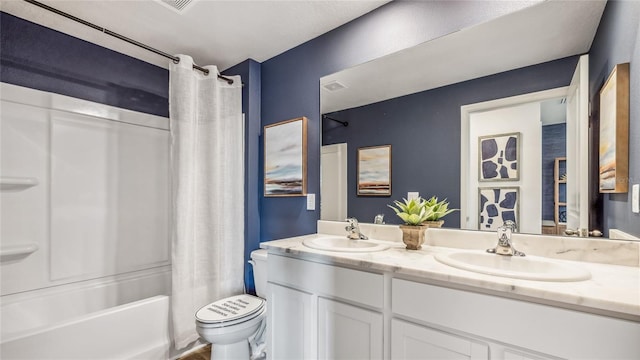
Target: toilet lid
229	309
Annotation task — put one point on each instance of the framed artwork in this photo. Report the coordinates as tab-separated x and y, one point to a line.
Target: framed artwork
499	157
374	171
285	158
614	132
497	205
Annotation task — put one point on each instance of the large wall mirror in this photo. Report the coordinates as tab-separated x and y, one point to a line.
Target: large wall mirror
430	103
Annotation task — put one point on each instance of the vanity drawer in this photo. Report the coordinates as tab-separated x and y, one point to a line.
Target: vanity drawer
327	280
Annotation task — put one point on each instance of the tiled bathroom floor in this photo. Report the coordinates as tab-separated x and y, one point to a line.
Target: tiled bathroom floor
203	353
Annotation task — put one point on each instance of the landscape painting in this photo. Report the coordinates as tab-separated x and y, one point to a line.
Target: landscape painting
374	171
285	158
614	132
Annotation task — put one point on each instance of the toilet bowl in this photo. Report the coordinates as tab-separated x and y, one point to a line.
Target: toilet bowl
229	323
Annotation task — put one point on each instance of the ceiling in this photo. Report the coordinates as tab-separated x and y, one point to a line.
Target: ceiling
213	32
543	32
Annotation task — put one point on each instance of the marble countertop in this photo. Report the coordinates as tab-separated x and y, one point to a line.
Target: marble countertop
613	290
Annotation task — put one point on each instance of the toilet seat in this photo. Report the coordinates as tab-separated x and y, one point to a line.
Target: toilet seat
230	311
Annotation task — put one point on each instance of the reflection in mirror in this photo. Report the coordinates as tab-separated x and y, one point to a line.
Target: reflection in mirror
424	127
511	157
554	166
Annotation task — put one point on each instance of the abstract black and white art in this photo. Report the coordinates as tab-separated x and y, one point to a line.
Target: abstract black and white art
499	157
497	205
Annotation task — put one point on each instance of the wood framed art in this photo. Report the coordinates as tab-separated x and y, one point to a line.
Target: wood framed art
285	158
497	205
613	169
374	171
499	157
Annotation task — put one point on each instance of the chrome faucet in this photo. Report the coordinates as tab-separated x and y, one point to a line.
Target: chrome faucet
353	229
505	246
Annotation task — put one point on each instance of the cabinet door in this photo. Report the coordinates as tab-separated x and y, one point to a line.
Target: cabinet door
348	332
290	323
411	341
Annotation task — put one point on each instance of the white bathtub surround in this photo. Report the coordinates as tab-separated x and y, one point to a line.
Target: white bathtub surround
85	228
613	290
207	171
81	198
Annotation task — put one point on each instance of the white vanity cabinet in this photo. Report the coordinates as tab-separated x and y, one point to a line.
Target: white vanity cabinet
511	329
319	311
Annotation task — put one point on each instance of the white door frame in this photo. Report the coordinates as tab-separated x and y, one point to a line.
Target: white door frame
466	209
578	149
333	191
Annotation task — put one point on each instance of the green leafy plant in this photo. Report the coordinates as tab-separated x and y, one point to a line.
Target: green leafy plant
436	209
412	212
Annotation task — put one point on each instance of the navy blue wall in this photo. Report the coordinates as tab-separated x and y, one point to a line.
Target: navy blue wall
249	70
290	81
424	131
617	42
41	58
554	144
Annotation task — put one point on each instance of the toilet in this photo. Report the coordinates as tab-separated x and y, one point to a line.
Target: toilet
229	324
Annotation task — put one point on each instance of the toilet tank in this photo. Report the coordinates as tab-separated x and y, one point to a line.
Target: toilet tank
259	263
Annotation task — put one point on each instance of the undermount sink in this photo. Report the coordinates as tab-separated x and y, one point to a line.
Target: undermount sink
527	268
343	244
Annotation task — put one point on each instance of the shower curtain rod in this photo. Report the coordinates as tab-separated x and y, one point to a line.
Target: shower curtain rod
121	37
344	123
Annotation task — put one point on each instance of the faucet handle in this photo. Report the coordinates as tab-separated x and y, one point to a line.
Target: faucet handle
504	236
510	224
505	247
352	221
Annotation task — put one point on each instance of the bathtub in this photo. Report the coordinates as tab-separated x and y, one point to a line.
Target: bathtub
138	330
90	320
85	260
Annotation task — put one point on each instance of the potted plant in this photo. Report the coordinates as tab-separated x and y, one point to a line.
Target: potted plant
436	210
413	212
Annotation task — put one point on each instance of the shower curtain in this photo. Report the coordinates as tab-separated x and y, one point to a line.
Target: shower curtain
207	181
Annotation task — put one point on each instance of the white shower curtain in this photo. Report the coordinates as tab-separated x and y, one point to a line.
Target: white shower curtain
207	174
